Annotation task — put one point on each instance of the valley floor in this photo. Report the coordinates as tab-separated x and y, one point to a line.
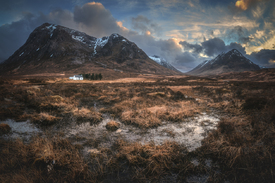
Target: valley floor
144	129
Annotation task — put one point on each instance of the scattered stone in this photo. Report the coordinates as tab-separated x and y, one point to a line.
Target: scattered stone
119	131
93	151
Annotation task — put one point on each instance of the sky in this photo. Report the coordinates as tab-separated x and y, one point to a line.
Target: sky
184	32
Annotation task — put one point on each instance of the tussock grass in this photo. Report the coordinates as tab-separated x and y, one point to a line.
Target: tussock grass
178	112
85	114
244	148
43	160
152	162
140	118
112	125
45	119
4	128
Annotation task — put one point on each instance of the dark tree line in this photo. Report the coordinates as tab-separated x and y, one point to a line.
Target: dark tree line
92	76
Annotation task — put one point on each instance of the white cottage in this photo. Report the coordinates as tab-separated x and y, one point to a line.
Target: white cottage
76	77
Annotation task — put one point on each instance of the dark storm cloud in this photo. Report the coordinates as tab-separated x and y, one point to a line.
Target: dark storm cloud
186	58
96	19
13	36
194	47
167	49
212	47
245	40
264	57
143	24
240	34
186	61
237	46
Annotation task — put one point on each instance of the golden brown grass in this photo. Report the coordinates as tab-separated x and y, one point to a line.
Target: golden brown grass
85	114
152	162
112	125
43	160
242	146
45	119
140	118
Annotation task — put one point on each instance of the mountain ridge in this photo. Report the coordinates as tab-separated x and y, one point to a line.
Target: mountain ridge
232	61
54	48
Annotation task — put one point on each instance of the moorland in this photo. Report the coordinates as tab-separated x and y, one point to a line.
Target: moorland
147	128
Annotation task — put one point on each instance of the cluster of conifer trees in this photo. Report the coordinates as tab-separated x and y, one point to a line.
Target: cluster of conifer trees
92	76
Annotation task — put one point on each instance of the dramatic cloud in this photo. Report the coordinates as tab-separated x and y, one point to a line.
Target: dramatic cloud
245	4
185	33
240	34
13	36
211	47
186	61
146	26
94	19
193	47
264	57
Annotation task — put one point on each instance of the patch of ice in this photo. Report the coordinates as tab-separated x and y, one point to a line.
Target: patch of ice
124	40
37	49
51	55
21	54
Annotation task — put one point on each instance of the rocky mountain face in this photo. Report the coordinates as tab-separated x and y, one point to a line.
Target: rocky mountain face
163	62
53	49
232	61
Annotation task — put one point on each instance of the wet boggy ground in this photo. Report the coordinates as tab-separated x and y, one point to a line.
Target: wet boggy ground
174	129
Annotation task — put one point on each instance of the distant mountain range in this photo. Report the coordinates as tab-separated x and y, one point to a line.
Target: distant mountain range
232	61
56	49
162	62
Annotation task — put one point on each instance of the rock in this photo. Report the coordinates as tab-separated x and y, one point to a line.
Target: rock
93	151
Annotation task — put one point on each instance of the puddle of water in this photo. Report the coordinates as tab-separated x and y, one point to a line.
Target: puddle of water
190	133
197	178
23	130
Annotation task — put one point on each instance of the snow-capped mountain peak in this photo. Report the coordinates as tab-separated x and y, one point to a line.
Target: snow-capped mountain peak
232	61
